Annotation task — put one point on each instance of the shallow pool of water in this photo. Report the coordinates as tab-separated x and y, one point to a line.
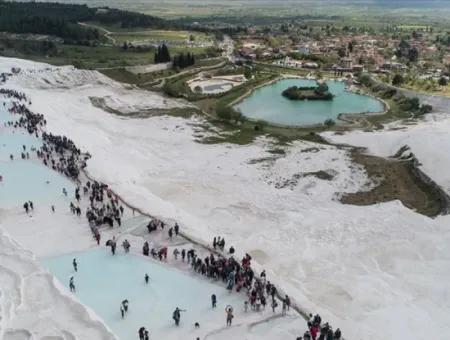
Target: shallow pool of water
5	116
13	140
216	87
103	281
24	180
267	103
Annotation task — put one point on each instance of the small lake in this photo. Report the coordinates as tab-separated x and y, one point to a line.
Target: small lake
268	104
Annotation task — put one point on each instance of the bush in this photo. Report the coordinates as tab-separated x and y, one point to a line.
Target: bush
247	73
389	93
224	112
424	109
409	104
443	81
329	122
398	80
260	125
227	113
78	64
365	80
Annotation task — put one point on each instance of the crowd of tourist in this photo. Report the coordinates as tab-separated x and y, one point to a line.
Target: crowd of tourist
4	76
61	154
104	208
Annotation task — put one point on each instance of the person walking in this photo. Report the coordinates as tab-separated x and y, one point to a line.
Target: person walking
213	301
230	316
71	285
176	315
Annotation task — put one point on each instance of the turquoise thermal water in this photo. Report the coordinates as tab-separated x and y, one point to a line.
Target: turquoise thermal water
268	104
103	281
25	180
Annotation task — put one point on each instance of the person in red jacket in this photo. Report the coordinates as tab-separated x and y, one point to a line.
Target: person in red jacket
314	331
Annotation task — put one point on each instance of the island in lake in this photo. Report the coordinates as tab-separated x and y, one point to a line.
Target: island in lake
319	92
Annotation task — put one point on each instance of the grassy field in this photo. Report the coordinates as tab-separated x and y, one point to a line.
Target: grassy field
240	8
97	57
106	55
424	86
156	35
122	75
438	90
413	27
140	34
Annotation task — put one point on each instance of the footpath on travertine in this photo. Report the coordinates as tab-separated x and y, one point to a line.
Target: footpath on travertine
280	293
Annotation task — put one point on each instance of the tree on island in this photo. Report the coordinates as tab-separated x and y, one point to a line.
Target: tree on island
319	92
322	89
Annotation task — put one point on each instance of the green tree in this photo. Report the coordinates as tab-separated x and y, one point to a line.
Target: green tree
413	55
350	46
424	109
341	52
397	80
247	73
329	122
162	54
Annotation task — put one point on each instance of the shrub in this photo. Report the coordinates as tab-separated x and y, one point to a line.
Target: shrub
224	112
424	109
398	80
329	122
365	80
247	73
443	81
389	93
409	104
260	125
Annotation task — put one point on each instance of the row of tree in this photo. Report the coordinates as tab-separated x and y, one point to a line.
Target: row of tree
162	55
385	91
183	60
399	80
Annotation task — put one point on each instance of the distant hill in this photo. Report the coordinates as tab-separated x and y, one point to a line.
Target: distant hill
168	3
171	9
422	4
61	20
